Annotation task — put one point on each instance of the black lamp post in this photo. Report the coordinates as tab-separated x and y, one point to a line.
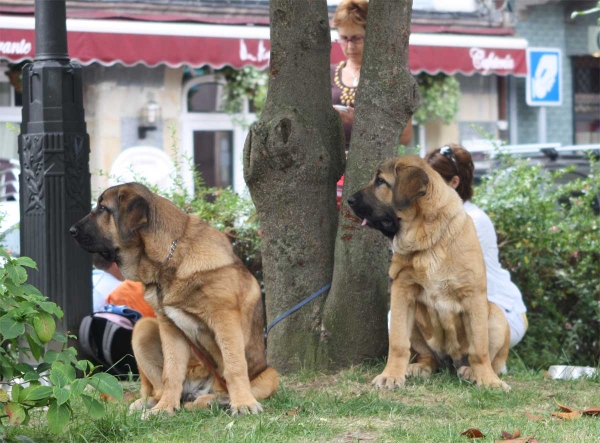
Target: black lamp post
55	177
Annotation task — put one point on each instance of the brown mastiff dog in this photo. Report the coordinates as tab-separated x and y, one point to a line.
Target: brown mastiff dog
208	337
439	303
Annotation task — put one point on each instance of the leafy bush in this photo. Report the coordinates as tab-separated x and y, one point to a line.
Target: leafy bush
440	95
28	328
549	238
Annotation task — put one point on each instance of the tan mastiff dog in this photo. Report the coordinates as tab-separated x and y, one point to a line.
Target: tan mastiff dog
208	337
439	302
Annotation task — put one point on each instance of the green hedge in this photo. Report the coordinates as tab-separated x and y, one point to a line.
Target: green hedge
549	238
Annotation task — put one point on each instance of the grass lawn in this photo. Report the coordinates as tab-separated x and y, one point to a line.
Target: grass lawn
344	408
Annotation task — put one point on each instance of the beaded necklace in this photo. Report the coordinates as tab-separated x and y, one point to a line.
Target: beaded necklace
348	93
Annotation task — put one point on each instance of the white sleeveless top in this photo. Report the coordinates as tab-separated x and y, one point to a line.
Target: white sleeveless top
500	289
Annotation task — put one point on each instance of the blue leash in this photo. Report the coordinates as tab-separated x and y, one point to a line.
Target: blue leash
298	306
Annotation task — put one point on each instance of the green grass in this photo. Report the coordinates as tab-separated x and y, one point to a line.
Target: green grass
343	407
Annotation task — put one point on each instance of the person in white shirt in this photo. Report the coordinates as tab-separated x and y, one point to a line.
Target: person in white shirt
106	276
455	165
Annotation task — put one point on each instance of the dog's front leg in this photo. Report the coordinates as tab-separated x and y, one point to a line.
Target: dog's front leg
176	354
476	328
402	307
230	339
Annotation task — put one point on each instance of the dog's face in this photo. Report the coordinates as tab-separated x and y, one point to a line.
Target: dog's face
394	188
115	221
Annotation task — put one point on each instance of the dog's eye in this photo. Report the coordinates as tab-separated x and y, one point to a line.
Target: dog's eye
101	209
379	181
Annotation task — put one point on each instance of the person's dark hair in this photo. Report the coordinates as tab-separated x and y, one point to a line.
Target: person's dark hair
100	263
351	12
443	163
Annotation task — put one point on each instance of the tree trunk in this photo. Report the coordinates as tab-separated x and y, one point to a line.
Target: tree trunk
292	160
355	314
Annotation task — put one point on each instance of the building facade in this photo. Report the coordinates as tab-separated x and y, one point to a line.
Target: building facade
137	55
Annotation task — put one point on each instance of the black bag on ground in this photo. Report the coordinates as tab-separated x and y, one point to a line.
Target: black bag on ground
106	339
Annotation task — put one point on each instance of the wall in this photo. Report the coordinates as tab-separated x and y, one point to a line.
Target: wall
548	25
113	99
544	26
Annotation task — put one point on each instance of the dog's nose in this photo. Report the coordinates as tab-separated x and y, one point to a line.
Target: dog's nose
352	200
74	231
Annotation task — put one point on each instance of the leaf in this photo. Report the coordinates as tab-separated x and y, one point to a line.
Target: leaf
31	376
294	411
50	356
62	395
4	398
60	374
592	411
44	326
94	407
107	384
507	435
12	272
59	337
82	365
26	261
567	415
58	417
42	367
11	328
517	440
77	386
36	350
564	408
34	393
16	413
473	433
15	391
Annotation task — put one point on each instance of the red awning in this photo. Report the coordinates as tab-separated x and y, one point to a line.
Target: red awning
176	44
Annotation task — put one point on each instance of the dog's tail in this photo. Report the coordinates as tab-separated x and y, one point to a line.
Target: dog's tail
265	384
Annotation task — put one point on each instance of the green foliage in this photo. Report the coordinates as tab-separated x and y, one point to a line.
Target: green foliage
247	83
594	10
27	324
549	238
440	95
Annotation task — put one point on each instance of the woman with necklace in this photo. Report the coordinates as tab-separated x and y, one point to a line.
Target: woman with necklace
350	19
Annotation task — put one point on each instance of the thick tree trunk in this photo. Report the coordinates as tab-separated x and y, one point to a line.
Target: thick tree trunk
292	159
355	315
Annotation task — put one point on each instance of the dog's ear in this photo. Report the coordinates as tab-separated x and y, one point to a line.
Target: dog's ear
411	183
134	212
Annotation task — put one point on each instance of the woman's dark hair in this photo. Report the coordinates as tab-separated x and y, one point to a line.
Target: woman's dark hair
451	160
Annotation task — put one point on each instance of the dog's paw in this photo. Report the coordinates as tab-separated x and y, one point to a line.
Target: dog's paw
168	409
202	402
418	370
493	383
244	409
388	381
143	403
466	372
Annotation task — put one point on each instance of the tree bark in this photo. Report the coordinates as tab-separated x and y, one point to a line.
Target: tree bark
355	314
292	159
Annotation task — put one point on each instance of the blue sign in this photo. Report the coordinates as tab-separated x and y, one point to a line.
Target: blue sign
544	77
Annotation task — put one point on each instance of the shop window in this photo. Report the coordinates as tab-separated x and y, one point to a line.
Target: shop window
586	99
10	115
205	97
479	109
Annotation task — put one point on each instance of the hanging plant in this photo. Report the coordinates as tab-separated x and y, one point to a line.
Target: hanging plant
246	83
440	95
15	76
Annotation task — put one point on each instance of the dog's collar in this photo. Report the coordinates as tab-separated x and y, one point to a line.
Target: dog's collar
171	251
